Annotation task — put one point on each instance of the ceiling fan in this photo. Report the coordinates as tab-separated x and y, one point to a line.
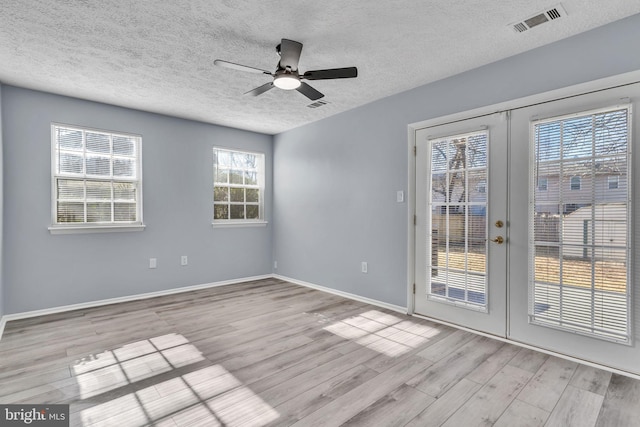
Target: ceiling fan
287	77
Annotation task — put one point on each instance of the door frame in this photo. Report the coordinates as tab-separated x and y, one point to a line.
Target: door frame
412	129
492	317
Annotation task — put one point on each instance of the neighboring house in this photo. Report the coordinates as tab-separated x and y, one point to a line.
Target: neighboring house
578	187
606	225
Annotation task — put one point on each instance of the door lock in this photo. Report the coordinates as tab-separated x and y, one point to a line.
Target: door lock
499	224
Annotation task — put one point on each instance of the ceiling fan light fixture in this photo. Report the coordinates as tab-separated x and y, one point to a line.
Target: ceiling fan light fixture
286	82
287	76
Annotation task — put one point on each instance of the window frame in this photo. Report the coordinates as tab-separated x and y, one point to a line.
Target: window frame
95	227
613	179
261	221
481	186
572	185
540	187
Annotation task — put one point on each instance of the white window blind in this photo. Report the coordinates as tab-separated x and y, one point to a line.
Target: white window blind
238	187
96	177
579	265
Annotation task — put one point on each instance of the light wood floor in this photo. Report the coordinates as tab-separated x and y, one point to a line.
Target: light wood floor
273	353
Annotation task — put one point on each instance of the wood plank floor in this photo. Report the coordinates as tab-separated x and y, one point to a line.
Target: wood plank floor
270	353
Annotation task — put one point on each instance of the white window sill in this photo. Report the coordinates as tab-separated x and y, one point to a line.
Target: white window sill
231	224
80	229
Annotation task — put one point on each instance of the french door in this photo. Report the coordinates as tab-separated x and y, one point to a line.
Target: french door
526	225
571	277
461	225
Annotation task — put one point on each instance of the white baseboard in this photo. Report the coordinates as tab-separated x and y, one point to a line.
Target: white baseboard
27	314
54	310
355	297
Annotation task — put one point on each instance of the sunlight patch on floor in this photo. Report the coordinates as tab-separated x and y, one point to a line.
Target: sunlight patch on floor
133	362
382	332
210	396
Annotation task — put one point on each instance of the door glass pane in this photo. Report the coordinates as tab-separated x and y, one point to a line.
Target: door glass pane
458	205
579	252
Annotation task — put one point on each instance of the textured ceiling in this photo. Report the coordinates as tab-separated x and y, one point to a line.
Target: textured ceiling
158	55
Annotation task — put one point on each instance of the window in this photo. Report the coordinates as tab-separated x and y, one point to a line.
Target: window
238	187
96	181
575	183
572	207
579	262
613	182
543	184
457	266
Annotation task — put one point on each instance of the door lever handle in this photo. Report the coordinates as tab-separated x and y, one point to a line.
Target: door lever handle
499	240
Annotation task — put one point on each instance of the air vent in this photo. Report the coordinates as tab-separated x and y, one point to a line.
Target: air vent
317	104
553	13
520	27
539	18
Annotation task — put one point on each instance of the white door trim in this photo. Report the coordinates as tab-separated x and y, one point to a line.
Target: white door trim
412	128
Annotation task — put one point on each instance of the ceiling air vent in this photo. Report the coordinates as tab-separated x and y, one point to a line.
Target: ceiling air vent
317	104
539	18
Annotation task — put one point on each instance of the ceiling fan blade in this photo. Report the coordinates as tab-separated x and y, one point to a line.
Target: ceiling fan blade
309	92
260	89
290	54
239	67
333	73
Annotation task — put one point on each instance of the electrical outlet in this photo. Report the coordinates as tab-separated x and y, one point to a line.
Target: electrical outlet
153	262
364	266
275	265
183	260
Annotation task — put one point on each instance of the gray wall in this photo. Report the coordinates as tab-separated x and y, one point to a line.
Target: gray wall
43	270
334	186
335	180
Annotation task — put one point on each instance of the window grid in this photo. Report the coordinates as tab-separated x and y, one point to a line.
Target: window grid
238	186
457	202
96	177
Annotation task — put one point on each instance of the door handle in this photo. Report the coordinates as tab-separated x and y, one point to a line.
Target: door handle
499	240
